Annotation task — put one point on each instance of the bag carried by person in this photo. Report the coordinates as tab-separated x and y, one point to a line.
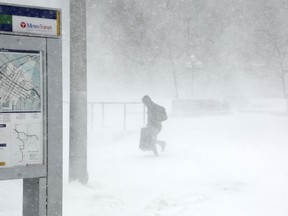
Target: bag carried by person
146	139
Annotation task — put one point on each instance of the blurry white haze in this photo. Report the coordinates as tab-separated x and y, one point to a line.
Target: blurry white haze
220	68
239	47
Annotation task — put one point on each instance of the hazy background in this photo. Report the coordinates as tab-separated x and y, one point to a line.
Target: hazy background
138	47
144	47
234	164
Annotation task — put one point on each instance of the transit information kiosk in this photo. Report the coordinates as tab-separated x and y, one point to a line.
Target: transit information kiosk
31	105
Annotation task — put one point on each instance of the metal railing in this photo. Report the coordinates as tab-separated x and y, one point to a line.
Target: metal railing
91	106
103	112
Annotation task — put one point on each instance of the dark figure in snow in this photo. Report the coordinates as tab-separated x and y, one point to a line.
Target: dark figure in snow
156	114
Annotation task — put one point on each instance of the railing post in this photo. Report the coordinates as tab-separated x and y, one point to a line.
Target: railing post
124	126
144	116
92	116
103	115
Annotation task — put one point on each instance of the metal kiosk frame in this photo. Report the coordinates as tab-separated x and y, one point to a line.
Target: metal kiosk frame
39	29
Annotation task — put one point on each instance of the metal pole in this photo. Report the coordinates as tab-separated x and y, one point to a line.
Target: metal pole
188	19
78	93
192	81
103	115
92	115
144	115
55	131
34	197
124	126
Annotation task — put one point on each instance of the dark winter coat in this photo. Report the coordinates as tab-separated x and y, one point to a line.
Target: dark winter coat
153	113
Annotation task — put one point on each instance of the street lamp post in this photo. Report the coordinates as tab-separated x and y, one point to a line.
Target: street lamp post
191	64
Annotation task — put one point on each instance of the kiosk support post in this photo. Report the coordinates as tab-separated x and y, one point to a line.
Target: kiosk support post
34	197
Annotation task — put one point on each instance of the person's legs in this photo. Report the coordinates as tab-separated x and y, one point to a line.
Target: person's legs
155	151
154	133
162	144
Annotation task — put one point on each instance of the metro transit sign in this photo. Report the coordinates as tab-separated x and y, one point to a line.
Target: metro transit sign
35	21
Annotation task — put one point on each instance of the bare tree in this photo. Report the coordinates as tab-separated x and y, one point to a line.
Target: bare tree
272	40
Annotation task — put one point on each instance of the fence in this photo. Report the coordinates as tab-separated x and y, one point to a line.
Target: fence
114	114
112	111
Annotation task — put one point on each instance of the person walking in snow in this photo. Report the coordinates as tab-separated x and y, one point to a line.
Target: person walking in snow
155	115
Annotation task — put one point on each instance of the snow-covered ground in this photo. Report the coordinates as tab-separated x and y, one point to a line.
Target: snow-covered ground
225	165
219	165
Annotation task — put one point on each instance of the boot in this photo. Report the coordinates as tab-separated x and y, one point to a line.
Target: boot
163	146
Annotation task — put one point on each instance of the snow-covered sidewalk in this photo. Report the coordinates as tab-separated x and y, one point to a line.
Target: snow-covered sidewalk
220	165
